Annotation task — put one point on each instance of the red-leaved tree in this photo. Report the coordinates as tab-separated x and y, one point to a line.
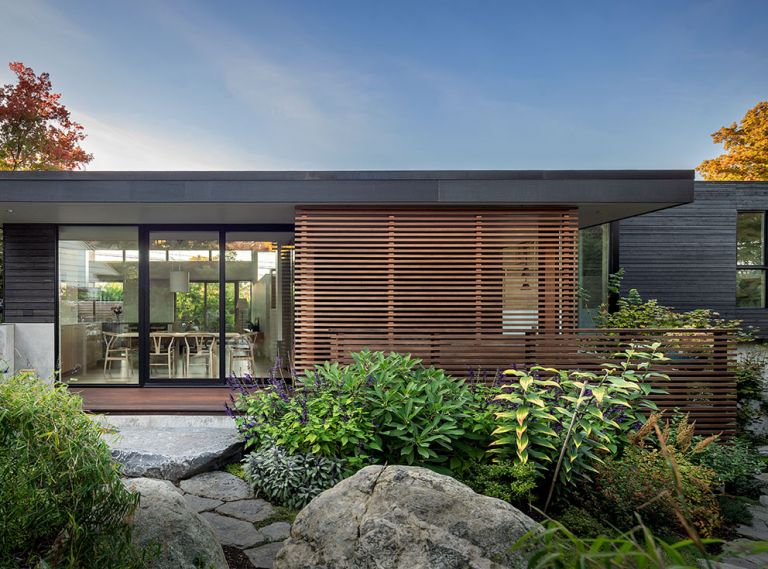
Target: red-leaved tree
36	131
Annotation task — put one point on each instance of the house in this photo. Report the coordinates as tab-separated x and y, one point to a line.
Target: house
710	253
123	281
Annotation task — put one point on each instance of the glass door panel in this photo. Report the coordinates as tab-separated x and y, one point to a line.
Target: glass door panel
184	305
98	305
258	303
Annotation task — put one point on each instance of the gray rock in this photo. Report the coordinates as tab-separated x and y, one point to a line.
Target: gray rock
249	510
718	565
199	504
236	533
759	534
164	518
172	454
263	557
167	483
764	501
749	562
398	516
217	485
277	531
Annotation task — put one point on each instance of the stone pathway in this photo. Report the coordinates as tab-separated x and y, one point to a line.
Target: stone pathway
238	519
756	531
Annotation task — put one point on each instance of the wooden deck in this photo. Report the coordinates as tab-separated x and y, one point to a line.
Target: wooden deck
154	400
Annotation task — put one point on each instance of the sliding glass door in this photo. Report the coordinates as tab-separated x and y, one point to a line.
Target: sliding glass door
258	303
174	305
184	304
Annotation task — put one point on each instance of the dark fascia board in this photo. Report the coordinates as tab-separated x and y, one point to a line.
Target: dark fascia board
418	187
356	175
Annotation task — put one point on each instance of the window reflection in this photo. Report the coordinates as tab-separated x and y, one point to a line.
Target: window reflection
750	258
98	304
184	305
259	303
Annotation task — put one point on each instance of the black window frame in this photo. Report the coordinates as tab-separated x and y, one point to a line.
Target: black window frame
762	267
144	231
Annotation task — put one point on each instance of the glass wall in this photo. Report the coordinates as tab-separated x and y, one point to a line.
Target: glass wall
184	304
593	272
208	316
258	303
98	304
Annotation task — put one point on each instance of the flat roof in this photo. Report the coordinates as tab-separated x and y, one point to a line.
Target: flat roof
271	197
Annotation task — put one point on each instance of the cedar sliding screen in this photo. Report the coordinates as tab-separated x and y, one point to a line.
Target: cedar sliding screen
458	273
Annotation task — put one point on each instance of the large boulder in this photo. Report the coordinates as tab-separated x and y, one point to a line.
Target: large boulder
163	518
387	517
172	454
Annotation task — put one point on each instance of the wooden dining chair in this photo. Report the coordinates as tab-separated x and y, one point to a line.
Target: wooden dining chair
243	350
201	347
162	352
116	349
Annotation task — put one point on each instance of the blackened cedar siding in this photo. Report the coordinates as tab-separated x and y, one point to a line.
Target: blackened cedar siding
685	256
30	272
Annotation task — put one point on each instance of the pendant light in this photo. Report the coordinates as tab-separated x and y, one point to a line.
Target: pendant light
179	281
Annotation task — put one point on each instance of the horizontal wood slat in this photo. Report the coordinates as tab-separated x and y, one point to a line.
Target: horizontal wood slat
30	272
700	368
410	270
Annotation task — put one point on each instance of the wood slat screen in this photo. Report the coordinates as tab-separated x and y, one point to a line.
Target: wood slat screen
427	271
701	364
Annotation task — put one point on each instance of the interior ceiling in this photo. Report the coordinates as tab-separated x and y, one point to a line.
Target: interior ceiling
234	213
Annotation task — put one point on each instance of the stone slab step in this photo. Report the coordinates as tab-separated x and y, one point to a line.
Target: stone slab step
172	453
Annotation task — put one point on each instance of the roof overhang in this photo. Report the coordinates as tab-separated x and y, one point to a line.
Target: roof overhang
271	197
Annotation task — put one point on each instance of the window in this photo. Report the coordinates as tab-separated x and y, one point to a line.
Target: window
593	272
218	304
750	259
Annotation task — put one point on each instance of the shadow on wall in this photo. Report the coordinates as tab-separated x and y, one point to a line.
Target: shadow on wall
28	347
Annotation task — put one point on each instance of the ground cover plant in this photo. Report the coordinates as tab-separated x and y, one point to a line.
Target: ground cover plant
557	547
62	503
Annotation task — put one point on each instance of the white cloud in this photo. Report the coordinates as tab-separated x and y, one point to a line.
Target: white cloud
118	146
319	105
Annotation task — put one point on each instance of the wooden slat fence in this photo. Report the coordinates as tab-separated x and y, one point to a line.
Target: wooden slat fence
700	366
431	270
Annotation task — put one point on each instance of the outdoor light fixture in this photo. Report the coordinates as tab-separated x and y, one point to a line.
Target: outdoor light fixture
179	281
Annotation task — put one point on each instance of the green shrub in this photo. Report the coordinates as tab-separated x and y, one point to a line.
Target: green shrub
513	483
61	498
750	392
235	470
581	523
634	312
421	415
379	408
290	480
642	482
568	421
735	510
559	548
735	465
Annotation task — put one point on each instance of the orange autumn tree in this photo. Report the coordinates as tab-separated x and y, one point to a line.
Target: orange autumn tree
746	149
36	130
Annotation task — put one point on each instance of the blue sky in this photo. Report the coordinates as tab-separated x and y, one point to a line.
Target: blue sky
396	85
